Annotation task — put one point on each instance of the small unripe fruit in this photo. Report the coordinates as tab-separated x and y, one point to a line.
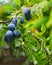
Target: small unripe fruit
11	26
14	21
16	33
9	36
27	13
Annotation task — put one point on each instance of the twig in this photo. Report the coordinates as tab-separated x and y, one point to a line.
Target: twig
6	22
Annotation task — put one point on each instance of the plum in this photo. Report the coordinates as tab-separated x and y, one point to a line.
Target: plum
16	33
14	21
9	37
26	12
11	26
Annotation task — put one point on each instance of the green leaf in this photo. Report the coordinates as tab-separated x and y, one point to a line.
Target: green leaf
18	2
43	28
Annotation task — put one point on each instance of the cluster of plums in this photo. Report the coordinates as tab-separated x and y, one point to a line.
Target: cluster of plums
11	34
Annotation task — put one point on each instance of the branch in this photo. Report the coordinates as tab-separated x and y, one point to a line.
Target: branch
5	22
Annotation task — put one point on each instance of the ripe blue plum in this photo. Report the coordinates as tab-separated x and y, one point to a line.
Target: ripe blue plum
16	33
21	19
26	12
11	26
9	37
14	21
